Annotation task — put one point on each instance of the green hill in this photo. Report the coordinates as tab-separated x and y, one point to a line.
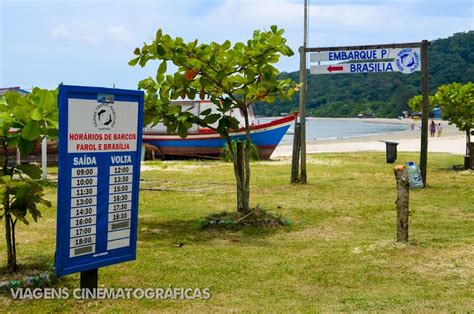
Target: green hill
382	94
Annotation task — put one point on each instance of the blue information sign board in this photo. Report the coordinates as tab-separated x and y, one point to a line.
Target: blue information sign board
100	136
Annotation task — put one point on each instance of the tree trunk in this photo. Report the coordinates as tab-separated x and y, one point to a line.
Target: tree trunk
239	171
241	160
468	140
402	203
246	181
9	226
471	156
13	225
8	237
237	161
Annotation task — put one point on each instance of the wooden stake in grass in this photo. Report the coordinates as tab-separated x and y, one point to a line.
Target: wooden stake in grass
402	202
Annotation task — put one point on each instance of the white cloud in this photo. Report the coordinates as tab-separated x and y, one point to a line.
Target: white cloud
92	34
119	33
61	32
101	34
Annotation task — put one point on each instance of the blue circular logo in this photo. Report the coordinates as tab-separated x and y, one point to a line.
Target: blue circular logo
408	60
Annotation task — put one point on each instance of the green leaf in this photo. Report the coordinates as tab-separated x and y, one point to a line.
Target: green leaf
11	98
31	170
191	94
45	202
213	118
160	77
182	131
32	131
226	45
25	146
160	51
12	142
233	123
136	51
6	179
21	114
159	33
206	112
162	68
35	115
181	118
274	28
45	100
6	121
134	61
53	122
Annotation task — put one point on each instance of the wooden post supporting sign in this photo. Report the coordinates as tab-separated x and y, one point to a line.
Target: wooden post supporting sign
302	114
296	154
425	111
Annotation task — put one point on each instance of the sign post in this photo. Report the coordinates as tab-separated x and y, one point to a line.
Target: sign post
424	112
100	132
302	108
404	58
298	161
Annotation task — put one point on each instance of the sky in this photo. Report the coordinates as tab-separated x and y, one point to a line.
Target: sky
89	43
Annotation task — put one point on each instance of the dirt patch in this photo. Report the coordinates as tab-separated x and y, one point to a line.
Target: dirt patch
173	167
185	186
459	263
382	245
327	233
256	217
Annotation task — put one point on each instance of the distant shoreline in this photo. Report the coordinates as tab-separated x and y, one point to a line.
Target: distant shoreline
367	120
451	141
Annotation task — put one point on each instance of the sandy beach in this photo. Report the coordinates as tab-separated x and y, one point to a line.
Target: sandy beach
451	141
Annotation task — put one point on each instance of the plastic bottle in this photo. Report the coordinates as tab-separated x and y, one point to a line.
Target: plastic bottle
414	176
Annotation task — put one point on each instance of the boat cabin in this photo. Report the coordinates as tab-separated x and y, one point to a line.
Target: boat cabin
195	107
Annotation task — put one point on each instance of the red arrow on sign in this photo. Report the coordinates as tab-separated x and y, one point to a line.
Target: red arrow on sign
335	68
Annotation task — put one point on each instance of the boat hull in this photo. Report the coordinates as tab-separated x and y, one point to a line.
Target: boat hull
209	144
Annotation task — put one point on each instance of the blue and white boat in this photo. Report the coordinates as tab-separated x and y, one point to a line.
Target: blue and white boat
206	143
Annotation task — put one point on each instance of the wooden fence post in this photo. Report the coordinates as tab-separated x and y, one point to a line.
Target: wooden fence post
403	194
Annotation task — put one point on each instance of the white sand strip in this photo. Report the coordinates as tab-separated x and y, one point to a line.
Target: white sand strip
452	141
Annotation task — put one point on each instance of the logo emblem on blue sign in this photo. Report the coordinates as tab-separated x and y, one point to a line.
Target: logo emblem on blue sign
408	60
104	116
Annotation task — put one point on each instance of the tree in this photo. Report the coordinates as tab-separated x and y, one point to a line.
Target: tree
457	105
23	119
416	103
232	77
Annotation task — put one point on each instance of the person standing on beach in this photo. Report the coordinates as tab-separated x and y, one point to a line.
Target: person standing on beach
440	129
432	128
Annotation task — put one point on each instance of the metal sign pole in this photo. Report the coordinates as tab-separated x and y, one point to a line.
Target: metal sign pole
89	279
424	113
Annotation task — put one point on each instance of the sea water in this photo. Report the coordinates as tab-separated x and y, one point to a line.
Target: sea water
332	129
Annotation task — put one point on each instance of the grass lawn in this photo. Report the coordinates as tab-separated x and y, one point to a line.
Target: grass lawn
338	255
